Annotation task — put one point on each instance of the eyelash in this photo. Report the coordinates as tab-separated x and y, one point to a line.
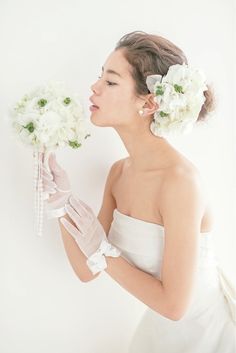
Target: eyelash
109	82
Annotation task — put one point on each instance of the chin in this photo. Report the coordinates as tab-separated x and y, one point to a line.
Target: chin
99	121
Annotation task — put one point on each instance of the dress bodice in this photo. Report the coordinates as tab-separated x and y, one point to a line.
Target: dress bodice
142	243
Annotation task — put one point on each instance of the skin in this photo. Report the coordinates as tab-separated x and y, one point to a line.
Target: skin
118	108
155	183
150	161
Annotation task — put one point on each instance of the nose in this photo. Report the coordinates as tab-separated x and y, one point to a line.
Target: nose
94	87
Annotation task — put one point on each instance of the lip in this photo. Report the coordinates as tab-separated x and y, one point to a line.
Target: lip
94	105
93	108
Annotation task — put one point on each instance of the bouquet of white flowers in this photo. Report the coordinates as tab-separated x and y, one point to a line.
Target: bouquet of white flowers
45	119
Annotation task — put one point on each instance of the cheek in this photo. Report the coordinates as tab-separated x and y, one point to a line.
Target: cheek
122	102
117	105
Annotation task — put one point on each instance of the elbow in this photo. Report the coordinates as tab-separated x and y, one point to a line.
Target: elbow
169	313
89	278
173	316
176	317
177	314
172	312
84	280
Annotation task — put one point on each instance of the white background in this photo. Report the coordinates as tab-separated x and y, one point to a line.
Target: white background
43	305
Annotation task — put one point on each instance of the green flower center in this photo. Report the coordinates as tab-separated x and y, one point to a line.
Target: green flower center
159	91
74	144
42	102
67	100
178	88
163	114
30	127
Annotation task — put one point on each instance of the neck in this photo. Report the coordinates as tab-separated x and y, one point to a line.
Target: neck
146	151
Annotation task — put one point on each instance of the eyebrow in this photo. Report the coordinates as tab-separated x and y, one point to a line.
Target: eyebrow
111	72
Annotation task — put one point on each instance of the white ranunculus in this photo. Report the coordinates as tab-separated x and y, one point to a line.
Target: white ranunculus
49	117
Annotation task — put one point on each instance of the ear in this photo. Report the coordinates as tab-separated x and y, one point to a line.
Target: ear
150	105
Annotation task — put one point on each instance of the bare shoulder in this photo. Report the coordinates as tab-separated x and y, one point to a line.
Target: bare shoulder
114	173
182	181
182	170
183	174
117	167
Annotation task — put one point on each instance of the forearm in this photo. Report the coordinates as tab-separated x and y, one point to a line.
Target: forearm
75	255
142	285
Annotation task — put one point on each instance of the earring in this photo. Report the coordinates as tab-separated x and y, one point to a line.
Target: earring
140	112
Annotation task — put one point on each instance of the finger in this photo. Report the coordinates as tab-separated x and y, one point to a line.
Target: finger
70	228
89	212
49	184
49	190
76	218
84	205
45	195
47	173
40	156
63	190
55	168
76	203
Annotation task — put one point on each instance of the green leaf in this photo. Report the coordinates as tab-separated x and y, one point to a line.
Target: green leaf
178	88
30	127
87	136
67	100
159	91
74	144
42	102
163	114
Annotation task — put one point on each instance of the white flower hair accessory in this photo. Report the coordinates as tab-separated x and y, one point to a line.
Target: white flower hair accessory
180	97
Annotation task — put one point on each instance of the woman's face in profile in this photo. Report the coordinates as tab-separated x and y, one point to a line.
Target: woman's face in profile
114	93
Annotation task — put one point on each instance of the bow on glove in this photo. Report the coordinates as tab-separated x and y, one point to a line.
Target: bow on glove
89	234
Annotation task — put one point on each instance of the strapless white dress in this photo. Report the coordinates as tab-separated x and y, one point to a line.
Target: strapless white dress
209	325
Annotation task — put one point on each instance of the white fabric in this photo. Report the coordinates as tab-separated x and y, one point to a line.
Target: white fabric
208	325
56	208
59	212
97	261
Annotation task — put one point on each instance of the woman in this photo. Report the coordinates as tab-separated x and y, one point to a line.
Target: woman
153	232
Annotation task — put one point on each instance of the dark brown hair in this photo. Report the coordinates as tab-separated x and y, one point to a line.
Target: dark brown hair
150	54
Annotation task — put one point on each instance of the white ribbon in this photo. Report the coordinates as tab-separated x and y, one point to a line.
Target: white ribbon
97	262
59	212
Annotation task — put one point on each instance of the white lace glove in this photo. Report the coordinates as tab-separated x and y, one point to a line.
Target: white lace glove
89	234
56	187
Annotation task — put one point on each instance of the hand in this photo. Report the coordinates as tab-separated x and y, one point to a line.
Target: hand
56	187
87	230
89	234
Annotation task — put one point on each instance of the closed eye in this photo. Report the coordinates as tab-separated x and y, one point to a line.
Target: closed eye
109	83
